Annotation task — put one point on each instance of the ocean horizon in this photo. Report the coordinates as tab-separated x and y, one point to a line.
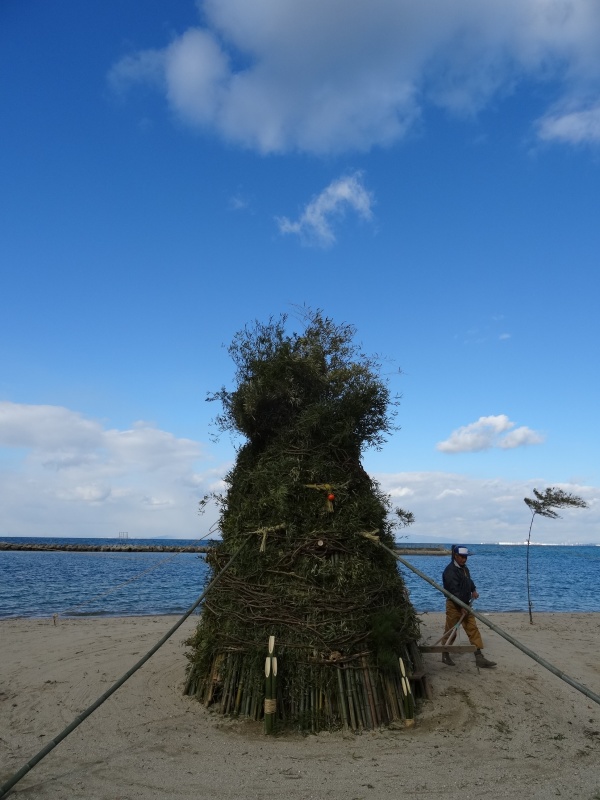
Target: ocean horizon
206	540
74	584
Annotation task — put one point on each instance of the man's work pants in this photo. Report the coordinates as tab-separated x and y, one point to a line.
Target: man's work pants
469	623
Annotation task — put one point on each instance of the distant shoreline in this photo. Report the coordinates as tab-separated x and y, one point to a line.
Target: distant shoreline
123	547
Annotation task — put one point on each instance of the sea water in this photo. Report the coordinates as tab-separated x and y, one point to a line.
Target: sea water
562	578
43	583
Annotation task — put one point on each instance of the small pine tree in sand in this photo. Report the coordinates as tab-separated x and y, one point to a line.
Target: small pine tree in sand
544	504
309	518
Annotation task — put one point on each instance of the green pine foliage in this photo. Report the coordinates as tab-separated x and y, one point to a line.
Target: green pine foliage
309	519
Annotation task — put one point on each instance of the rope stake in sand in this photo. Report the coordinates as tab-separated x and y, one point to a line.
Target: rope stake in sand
6	787
523	648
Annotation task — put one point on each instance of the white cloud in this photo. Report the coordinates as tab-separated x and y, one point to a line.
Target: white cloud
148	66
450	493
148	482
196	71
145	444
71	475
401	491
278	75
314	226
449	507
519	437
46	428
238	203
573	127
88	493
488	432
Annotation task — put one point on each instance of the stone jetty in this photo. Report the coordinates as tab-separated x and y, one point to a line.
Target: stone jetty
423	551
125	547
121	547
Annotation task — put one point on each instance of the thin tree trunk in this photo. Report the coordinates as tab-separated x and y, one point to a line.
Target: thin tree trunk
528	584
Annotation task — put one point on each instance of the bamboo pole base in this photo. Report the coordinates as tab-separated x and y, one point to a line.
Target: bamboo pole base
354	693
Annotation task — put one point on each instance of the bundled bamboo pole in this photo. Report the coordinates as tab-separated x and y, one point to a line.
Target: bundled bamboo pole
229	669
342	699
352	692
369	691
376	684
351	675
409	701
350	702
242	689
270	687
399	697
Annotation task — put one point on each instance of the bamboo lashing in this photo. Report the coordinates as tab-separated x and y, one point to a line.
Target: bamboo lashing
324	487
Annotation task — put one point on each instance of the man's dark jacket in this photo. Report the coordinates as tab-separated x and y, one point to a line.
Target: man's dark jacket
457	580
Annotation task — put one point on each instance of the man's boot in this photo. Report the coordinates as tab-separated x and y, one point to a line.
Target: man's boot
481	661
447	660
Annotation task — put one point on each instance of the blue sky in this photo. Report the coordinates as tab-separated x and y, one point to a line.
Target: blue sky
173	170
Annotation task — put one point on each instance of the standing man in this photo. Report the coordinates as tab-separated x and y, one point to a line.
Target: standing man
457	581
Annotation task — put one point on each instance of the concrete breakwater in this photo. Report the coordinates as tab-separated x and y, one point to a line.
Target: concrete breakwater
122	547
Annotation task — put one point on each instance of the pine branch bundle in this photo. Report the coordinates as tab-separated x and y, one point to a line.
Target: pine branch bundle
314	576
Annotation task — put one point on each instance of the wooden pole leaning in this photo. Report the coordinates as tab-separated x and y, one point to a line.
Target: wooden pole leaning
450	636
445	644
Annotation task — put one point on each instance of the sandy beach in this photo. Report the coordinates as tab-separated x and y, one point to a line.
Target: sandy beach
514	731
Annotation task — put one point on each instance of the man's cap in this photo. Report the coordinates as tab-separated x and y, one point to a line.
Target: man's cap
460	550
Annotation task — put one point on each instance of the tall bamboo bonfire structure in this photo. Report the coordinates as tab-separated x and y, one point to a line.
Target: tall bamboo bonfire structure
308	520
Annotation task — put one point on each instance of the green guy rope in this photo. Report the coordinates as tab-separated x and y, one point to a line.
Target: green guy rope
523	648
6	787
